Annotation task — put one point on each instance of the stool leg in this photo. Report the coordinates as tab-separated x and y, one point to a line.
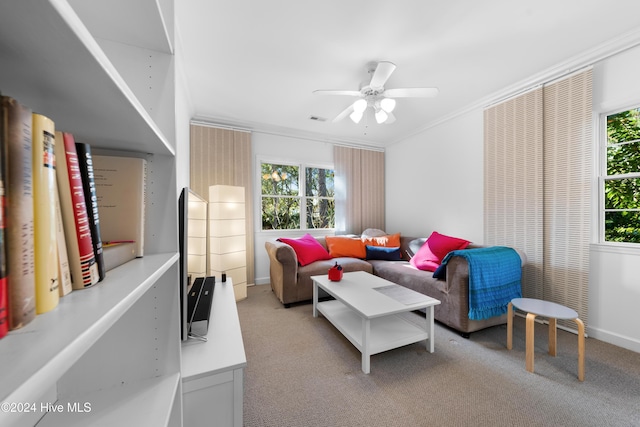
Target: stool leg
529	347
509	326
580	349
553	336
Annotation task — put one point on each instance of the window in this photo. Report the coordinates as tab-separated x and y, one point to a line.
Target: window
294	200
620	183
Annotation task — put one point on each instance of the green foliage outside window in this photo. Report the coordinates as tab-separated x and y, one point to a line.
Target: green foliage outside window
283	203
622	184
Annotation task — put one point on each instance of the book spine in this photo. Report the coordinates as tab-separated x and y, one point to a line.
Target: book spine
64	269
20	240
46	248
4	297
84	269
88	183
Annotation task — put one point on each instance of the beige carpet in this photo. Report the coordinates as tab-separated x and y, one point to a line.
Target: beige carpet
302	372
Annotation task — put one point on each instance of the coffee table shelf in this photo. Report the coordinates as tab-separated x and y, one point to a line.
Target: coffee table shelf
372	321
386	333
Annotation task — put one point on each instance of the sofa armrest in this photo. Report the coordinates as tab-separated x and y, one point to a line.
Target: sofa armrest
283	270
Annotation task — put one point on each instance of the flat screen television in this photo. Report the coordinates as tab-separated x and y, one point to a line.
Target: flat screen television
191	210
183	244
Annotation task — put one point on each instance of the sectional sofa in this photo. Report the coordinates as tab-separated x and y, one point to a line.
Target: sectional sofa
291	282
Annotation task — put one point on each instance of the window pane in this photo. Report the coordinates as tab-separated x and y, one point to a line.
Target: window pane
320	213
280	213
319	182
281	180
623	142
622	227
622	193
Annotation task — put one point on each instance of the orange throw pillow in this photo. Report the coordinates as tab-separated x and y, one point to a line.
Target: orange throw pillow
340	246
388	241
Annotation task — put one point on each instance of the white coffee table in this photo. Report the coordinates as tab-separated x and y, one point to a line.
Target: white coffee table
372	320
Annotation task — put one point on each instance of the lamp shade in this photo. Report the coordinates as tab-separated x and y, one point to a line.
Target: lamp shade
356	116
381	116
360	105
388	104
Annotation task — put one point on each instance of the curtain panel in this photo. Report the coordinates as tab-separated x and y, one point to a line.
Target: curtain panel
223	157
359	189
537	176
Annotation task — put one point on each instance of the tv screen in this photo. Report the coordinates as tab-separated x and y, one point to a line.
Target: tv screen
183	236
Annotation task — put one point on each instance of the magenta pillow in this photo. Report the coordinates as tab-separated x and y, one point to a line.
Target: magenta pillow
437	246
307	249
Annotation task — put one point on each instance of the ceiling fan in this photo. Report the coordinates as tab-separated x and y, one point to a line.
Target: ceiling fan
374	95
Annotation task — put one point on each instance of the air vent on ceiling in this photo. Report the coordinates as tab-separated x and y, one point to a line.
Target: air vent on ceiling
318	119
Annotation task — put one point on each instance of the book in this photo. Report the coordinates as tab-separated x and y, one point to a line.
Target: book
46	247
16	131
120	184
64	270
4	286
85	161
117	253
82	260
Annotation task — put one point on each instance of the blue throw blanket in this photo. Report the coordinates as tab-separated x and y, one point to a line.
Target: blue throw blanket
494	279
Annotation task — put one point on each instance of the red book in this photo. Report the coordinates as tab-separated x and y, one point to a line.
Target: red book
4	300
77	230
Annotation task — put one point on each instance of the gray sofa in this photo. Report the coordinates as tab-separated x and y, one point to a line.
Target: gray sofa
292	283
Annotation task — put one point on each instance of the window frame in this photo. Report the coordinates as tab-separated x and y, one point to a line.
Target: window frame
302	197
603	177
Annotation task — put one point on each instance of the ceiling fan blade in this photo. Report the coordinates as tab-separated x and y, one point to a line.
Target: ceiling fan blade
381	74
390	119
412	92
344	113
337	92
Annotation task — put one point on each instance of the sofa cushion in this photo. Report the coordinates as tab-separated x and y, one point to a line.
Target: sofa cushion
437	246
340	246
383	253
307	249
388	240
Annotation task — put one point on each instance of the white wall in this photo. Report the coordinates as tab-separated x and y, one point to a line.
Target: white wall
434	181
441	170
286	149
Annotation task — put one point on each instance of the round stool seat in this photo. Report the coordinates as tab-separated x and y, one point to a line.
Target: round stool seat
544	308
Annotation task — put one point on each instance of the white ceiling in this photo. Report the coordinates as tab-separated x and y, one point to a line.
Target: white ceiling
254	64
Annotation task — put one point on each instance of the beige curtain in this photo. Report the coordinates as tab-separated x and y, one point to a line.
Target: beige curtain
537	177
359	188
223	157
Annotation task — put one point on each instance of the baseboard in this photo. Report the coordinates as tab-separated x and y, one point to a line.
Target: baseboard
615	339
262	280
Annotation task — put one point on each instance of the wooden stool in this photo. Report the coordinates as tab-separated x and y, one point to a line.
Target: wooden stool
553	311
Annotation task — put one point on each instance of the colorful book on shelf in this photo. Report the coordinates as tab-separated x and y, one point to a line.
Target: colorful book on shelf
120	183
77	231
64	269
118	253
17	134
46	247
4	286
85	161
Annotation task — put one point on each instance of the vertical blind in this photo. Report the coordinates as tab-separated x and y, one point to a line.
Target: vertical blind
223	157
537	176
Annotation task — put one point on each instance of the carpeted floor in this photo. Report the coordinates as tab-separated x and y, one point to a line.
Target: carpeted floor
302	372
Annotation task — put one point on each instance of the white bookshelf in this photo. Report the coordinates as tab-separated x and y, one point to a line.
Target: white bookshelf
105	72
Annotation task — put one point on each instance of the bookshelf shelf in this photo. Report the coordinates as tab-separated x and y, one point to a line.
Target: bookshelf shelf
116	345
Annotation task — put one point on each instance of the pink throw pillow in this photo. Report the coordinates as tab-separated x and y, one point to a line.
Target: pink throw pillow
307	249
437	246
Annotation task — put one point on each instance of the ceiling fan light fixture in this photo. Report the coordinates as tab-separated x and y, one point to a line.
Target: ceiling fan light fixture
356	116
388	104
381	116
359	106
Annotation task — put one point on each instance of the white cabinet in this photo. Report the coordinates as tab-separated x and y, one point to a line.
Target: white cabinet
108	355
213	371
